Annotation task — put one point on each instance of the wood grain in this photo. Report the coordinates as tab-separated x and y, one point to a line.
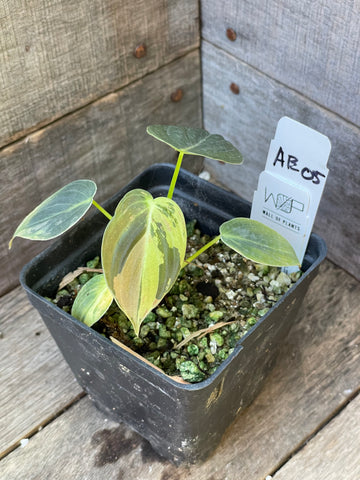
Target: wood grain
316	374
333	454
249	120
57	56
311	47
105	141
36	383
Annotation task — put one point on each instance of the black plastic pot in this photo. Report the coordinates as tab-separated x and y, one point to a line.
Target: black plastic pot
183	422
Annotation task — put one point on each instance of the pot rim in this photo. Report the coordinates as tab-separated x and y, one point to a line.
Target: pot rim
188	177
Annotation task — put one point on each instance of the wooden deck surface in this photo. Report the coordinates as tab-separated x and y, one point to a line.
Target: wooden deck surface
303	425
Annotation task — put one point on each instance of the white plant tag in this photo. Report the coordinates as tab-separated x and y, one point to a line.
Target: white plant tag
290	188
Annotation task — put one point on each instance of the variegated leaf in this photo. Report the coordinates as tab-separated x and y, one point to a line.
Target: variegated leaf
93	301
57	213
196	141
142	252
258	242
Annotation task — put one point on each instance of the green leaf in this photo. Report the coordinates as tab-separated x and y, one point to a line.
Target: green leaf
92	301
195	141
142	252
57	213
258	242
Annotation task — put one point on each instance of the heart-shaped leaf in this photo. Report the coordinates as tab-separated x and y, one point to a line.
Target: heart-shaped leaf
57	213
93	301
196	141
258	242
142	252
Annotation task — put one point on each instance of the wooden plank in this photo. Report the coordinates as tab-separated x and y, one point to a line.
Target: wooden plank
105	141
311	47
57	56
333	454
36	383
249	119
317	373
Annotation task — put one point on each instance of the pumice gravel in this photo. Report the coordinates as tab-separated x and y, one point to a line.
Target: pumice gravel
214	302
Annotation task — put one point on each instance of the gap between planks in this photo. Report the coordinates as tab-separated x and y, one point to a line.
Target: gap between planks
330	455
42	125
41	425
322	426
279	82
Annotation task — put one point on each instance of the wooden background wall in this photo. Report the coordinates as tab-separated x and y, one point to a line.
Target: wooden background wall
300	59
75	100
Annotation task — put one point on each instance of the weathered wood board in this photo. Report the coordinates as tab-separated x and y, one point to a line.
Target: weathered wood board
105	141
36	383
249	120
312	47
333	454
316	374
57	56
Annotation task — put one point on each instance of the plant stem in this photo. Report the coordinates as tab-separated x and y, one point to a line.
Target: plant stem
102	210
201	250
175	175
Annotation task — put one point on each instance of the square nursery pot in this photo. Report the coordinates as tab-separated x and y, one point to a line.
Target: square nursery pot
183	422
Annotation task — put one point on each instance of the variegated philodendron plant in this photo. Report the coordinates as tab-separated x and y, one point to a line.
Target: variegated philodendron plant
144	243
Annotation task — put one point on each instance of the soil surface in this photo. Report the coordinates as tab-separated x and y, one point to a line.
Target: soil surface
215	301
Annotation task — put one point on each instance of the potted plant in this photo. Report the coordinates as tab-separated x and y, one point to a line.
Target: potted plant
143	254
